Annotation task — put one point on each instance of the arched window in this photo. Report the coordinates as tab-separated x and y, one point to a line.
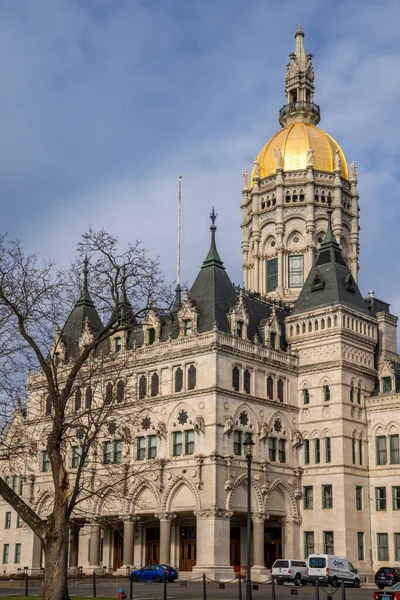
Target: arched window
109	393
48	406
359	395
247	381
270	387
78	400
235	379
327	393
306	396
151	335
352	393
280	390
178	380
88	397
120	391
328	449
191	377
187	327
142	387
155	381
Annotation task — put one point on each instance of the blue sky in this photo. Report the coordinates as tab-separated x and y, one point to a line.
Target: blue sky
104	103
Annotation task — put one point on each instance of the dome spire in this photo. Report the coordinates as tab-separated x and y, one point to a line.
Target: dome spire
213	258
299	87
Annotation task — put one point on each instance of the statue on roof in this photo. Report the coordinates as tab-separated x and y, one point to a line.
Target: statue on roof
337	160
245	180
279	158
256	167
310	157
353	171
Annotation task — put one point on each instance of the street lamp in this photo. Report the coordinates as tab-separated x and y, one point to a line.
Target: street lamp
248	449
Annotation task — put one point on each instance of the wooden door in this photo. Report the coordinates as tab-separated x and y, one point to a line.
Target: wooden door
235	555
187	557
118	555
153	552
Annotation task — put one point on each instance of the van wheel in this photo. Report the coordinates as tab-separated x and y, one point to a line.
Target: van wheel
297	580
356	583
304	582
335	582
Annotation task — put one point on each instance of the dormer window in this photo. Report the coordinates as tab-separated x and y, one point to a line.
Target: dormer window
239	329
57	358
188	327
386	385
117	344
272	339
151	335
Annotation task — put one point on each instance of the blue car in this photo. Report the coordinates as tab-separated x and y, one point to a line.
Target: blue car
155	573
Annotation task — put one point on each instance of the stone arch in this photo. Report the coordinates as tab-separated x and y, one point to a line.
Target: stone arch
110	504
326	433
254	424
241	481
174	413
392	428
281	483
139	491
378	429
44	504
279	415
173	488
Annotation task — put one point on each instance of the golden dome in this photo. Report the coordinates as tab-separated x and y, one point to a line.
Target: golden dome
294	141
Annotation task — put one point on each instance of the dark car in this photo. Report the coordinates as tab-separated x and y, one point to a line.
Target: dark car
392	594
155	573
387	576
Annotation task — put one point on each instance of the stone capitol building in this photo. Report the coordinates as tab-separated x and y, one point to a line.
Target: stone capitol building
297	357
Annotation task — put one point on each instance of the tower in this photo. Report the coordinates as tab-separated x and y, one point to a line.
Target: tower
284	204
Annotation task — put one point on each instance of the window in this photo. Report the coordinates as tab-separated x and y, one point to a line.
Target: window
353	450
6	551
178	380
359	499
189	441
306	396
317	451
141	448
19	522
359	395
360	451
14	483
327	393
352	393
272	274
270	387
17	553
381	454
328	542
308	543
247	381
235	379
282	451
187	327
237	443
383	546
386	385
75	458
120	391
380	498
151	336
21	486
191	377
327	496
152	446
328	449
117	454
280	390
239	329
142	387
394	449
306	452
397	547
154	385
272	449
308	497
360	545
88	398
117	344
107	453
177	443
109	393
78	400
396	497
272	339
45	461
296	271
7	523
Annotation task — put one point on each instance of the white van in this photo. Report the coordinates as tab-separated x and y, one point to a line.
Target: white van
332	570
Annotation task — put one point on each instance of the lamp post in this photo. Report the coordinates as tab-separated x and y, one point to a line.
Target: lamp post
248	448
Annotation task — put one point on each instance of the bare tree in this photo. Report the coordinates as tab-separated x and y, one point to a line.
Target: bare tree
77	380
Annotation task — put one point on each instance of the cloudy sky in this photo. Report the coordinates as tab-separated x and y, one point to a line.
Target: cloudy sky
104	103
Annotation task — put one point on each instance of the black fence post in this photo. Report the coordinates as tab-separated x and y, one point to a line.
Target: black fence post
316	589
94	585
26	582
273	587
204	587
130	587
240	586
165	586
343	590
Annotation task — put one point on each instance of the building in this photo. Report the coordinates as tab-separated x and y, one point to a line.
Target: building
298	358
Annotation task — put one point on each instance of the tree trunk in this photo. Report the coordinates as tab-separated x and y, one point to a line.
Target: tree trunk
56	562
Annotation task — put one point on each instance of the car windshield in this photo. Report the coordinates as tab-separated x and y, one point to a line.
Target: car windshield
396	587
386	570
280	564
317	562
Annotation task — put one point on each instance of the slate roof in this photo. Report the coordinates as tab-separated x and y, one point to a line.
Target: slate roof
330	280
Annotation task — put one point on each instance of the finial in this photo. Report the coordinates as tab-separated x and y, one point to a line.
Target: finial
353	171
213	217
299	29
85	273
371	293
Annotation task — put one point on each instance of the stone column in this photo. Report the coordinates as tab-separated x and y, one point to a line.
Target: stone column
291	537
94	558
258	570
129	535
165	536
74	546
213	534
